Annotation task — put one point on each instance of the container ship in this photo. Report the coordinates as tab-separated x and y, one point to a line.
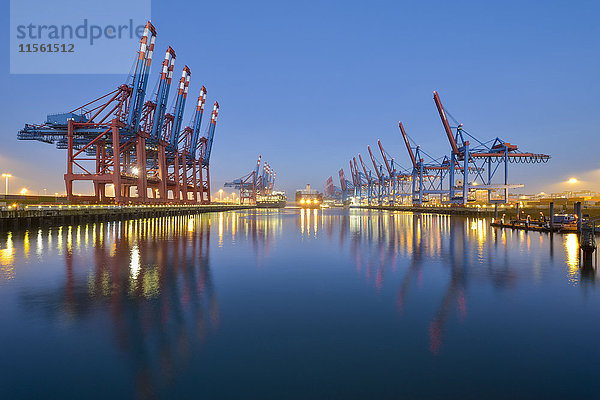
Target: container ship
307	198
273	200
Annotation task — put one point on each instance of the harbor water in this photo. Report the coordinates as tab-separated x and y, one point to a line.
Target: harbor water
296	304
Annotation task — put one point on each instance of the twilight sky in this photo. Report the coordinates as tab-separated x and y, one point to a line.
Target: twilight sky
309	84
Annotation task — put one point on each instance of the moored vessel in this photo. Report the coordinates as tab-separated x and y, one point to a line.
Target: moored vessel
273	200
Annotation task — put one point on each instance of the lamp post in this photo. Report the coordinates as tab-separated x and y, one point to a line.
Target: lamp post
6	176
220	194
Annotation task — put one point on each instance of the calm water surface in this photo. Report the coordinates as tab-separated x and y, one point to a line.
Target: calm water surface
296	304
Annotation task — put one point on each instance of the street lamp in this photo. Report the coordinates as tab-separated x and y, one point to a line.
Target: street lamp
23	191
6	176
220	194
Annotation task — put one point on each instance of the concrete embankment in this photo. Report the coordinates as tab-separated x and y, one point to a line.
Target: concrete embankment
37	216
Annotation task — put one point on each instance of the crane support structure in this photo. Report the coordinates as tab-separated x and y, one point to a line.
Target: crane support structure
133	145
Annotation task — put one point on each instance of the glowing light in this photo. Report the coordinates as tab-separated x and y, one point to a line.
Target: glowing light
221	229
6	176
23	191
134	264
573	181
572	251
135	170
7	258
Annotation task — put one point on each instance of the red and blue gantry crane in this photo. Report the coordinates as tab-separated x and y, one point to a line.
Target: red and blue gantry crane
472	166
256	183
479	163
123	140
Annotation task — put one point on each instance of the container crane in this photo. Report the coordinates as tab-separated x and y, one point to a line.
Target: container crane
380	178
427	177
361	181
247	185
171	137
481	161
203	160
123	140
104	132
398	179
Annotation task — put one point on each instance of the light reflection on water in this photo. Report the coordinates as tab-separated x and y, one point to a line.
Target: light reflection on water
156	283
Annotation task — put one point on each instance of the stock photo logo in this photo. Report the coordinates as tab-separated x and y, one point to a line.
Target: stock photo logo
71	37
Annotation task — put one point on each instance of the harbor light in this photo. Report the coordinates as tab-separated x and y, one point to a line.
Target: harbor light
6	176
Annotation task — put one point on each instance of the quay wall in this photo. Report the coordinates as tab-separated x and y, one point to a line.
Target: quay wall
439	210
39	216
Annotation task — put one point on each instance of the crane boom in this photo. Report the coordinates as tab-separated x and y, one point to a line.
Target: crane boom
410	152
364	168
387	165
374	163
211	133
198	120
140	78
442	113
163	93
184	83
356	171
257	168
352	174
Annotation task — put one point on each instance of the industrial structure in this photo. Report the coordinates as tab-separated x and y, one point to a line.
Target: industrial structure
256	183
123	140
472	166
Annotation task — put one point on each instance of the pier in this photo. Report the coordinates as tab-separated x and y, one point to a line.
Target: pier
38	216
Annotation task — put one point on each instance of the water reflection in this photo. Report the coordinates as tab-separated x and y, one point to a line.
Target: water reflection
152	279
467	247
7	258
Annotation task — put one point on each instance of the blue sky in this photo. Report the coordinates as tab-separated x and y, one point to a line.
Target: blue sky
309	84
